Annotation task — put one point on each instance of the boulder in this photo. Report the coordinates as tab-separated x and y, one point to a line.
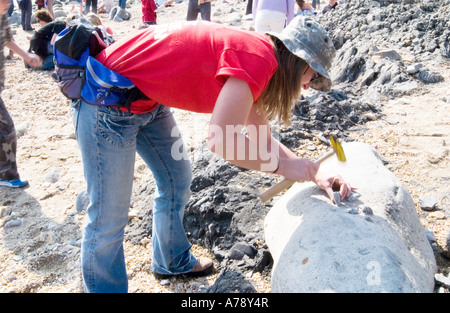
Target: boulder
371	242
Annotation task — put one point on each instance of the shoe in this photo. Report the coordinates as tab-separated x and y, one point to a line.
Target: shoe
18	183
203	267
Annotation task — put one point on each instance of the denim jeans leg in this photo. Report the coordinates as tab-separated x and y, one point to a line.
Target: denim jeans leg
107	140
160	146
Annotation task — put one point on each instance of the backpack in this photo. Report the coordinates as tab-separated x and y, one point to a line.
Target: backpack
80	76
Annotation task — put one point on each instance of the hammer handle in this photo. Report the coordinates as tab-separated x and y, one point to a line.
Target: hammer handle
286	183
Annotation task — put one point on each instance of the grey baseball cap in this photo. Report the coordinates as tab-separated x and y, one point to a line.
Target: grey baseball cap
308	40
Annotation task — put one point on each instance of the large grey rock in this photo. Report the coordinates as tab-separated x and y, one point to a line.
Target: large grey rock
373	242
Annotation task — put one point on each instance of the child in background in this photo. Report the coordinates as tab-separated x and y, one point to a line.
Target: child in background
94	19
105	7
148	12
74	2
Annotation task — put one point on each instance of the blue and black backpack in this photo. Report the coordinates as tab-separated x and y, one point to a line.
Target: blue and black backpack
80	76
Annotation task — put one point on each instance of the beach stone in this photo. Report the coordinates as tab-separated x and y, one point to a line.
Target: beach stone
442	280
12	224
427	203
388	54
319	247
82	201
231	282
428	77
53	176
21	129
119	15
60	13
446	251
414	68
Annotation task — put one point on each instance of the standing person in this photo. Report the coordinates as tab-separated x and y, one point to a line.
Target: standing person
26	9
199	6
80	5
269	15
122	4
316	4
248	9
332	4
40	4
106	6
148	12
9	175
50	4
304	8
88	6
8	14
246	79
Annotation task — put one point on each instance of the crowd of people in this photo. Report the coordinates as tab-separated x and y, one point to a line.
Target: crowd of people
255	78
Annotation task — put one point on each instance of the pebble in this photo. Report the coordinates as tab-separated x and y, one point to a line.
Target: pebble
13	223
82	201
53	176
430	235
12	277
413	69
21	129
367	210
442	280
337	198
353	211
427	203
164	282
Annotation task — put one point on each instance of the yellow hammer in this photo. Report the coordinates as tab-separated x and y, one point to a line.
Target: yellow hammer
338	149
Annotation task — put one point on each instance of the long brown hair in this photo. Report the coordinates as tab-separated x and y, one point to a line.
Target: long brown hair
284	87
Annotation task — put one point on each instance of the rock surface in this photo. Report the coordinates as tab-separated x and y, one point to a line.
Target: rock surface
320	247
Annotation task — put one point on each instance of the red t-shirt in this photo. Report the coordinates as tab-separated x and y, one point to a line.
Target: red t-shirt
185	65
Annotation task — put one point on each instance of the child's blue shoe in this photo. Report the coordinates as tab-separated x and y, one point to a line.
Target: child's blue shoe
18	183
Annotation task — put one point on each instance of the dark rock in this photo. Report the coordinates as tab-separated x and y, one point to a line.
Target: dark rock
240	249
231	282
263	260
428	77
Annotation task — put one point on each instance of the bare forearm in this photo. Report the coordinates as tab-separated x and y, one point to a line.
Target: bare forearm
240	150
16	49
260	152
32	59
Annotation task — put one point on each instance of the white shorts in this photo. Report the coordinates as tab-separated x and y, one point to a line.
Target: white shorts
268	20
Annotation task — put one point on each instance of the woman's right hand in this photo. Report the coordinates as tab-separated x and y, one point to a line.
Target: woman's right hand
298	169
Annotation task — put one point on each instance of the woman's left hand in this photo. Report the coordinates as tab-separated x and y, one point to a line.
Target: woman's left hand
332	183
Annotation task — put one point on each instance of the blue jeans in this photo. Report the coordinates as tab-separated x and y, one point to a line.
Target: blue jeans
108	139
